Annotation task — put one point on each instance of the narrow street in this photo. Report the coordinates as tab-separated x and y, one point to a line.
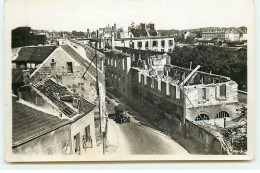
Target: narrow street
138	137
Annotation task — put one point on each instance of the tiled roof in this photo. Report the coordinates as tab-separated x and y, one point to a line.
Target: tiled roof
34	54
59	94
29	123
56	93
77	57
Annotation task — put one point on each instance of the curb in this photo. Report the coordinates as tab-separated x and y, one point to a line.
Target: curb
155	131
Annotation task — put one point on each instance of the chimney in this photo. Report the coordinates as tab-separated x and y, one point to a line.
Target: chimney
26	77
142	25
53	68
115	27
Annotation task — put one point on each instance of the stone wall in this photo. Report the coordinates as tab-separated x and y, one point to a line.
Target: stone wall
117	72
205	138
79	127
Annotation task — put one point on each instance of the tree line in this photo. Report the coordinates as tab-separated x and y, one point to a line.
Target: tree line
218	60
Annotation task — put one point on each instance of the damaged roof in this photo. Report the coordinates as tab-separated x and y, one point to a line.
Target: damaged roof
34	54
55	92
59	94
29	123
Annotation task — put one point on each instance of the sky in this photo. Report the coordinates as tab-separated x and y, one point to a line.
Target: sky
80	15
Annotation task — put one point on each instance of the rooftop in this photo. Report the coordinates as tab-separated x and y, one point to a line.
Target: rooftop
29	123
57	94
34	53
63	98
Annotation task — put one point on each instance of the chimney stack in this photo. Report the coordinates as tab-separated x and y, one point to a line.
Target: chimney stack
53	68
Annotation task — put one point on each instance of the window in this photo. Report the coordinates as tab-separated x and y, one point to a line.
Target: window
162	43
22	66
123	79
155	43
77	143
201	117
170	42
14	65
203	94
222	91
146	44
33	65
202	79
69	67
222	114
115	62
132	44
87	141
28	65
139	44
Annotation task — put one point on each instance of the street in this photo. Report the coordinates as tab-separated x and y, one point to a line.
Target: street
136	138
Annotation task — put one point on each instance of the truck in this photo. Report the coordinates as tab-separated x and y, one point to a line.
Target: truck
120	115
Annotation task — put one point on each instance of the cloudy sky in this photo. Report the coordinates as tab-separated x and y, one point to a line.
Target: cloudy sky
166	14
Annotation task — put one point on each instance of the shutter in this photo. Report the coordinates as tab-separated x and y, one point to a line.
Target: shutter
227	91
178	93
200	94
217	92
207	93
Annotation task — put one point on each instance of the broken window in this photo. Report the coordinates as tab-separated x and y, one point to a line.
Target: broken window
201	117
222	91
203	94
139	44
77	143
155	43
162	43
170	42
69	67
146	44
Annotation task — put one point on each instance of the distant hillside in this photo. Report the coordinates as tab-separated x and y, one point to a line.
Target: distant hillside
171	32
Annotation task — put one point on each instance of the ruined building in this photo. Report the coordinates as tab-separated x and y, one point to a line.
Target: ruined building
187	97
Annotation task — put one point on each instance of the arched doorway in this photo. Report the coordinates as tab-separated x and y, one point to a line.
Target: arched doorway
222	114
201	117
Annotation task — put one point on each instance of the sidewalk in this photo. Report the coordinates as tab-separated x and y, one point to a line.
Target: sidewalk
116	141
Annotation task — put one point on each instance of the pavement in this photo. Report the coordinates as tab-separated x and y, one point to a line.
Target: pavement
138	137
